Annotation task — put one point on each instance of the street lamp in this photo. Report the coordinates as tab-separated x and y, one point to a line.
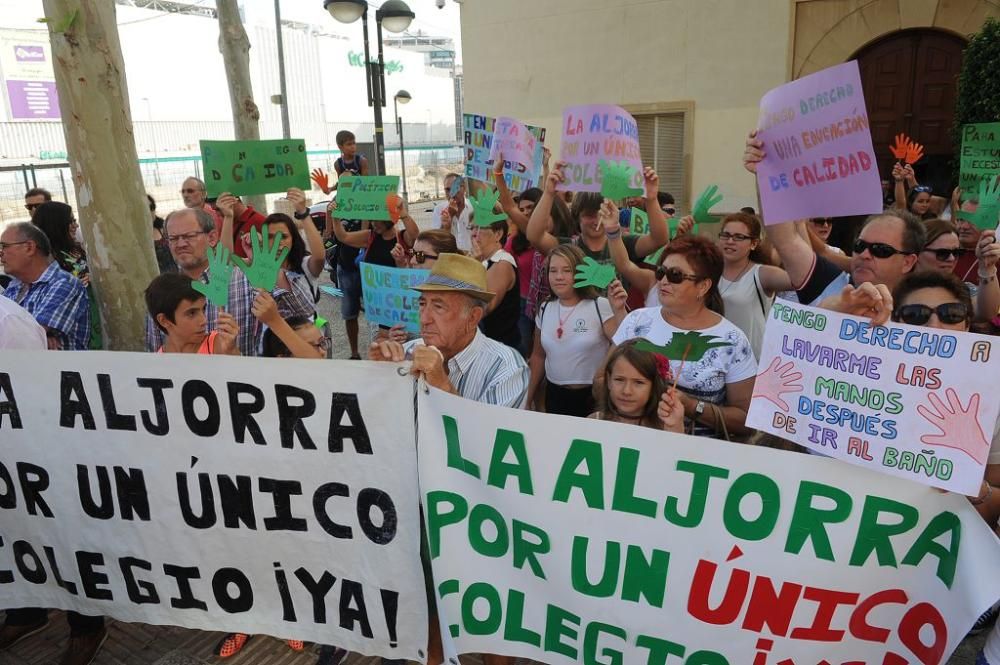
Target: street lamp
152	132
396	16
402	97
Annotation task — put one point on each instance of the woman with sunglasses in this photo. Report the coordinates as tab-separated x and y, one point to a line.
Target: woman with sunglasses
572	335
716	382
428	246
942	252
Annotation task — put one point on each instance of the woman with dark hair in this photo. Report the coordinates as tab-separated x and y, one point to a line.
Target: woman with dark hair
636	390
164	259
428	246
502	312
941	249
57	221
717	374
941	253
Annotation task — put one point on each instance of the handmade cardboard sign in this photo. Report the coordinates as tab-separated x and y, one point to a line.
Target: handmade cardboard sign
245	168
638	221
217	493
482	144
389	295
903	400
572	540
980	160
599	133
819	160
365	196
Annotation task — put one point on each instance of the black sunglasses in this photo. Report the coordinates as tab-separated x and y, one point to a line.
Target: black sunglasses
879	250
917	315
822	221
670	210
419	257
674	275
946	254
922	189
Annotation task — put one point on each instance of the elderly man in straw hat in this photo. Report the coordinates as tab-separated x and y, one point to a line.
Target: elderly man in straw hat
453	354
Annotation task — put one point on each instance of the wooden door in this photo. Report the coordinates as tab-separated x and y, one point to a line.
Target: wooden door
910	80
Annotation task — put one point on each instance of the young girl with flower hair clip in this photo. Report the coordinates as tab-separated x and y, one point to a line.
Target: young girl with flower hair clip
637	390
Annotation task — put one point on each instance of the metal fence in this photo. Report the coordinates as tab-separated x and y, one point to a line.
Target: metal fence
426	167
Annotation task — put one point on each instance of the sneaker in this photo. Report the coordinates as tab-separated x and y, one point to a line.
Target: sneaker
231	644
84	648
330	655
296	645
11	635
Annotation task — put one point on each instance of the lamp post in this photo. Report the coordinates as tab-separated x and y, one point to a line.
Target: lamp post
152	132
402	97
395	16
286	131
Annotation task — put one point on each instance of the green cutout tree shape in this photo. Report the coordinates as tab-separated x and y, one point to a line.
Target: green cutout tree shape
262	273
706	201
220	273
592	273
484	206
985	216
690	345
615	179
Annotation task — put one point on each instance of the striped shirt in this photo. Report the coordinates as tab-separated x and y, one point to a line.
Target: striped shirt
58	302
487	371
241	295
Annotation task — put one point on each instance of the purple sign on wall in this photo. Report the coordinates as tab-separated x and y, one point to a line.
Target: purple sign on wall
33	100
29	53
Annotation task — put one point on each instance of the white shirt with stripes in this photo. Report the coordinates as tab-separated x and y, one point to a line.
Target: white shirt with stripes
487	371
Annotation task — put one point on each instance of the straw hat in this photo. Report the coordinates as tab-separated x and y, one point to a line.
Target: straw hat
457	273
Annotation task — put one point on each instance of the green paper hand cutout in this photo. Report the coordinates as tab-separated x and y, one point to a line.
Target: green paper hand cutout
985	217
640	221
592	273
689	346
483	206
654	258
320	322
220	273
263	272
708	200
615	179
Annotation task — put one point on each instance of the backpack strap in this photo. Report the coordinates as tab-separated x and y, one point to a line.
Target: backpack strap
600	322
756	289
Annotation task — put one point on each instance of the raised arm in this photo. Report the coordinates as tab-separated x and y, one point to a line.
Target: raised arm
314	241
410	228
774	280
514	214
633	274
265	310
538	234
899	191
358	239
226	205
659	233
988	296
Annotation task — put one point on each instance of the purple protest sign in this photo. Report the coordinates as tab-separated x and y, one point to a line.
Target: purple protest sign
514	141
594	133
819	158
33	100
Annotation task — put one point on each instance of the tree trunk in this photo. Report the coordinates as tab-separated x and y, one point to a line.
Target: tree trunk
235	48
111	197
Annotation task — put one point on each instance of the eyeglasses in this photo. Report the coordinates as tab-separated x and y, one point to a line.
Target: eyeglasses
738	237
5	245
879	250
31	206
669	211
922	189
186	237
419	257
918	315
674	275
322	344
947	254
822	221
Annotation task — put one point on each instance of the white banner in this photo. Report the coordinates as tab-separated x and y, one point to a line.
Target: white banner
918	403
568	540
264	496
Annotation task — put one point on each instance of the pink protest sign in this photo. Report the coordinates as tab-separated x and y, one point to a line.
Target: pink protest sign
514	141
819	158
596	133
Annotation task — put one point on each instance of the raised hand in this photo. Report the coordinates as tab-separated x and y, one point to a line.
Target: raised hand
681	227
608	216
900	147
264	308
706	201
399	256
267	260
775	381
484	206
226	203
298	199
616	179
617	296
395	205
753	153
959	426
556	178
914	152
220	273
228	330
651	181
321	179
592	273
985	216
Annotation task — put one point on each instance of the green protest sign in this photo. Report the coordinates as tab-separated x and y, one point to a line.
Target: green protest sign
254	167
980	159
639	221
364	196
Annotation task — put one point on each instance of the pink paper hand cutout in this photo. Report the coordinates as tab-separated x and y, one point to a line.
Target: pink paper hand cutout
959	426
775	381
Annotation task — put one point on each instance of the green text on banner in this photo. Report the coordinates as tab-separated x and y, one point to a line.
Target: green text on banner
245	168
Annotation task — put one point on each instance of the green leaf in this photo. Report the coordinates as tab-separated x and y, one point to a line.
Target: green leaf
690	345
592	273
484	207
616	179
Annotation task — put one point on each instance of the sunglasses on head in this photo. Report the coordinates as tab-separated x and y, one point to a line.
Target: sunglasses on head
947	254
419	257
879	250
674	275
922	189
670	210
917	315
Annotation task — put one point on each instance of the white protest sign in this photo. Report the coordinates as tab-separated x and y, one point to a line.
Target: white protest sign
259	496
569	540
913	402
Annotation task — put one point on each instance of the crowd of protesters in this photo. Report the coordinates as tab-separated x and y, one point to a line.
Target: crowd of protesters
503	320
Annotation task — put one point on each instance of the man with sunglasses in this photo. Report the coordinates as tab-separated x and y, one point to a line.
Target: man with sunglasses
884	252
35	197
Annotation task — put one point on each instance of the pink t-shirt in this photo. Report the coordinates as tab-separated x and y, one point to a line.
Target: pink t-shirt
524	260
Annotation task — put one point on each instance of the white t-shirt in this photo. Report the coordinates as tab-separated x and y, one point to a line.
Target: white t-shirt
704	379
18	329
747	305
459	227
501	255
574	358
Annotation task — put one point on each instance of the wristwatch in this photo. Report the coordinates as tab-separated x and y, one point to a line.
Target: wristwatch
699	408
301	215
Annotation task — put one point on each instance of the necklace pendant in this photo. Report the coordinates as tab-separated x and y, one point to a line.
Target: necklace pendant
559	332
